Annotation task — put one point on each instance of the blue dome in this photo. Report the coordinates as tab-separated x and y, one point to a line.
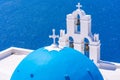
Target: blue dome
66	64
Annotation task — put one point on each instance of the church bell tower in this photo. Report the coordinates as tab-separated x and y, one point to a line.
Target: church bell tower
78	22
79	36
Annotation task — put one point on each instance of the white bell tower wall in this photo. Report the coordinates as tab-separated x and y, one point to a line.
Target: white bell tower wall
70	24
78	43
95	52
85	25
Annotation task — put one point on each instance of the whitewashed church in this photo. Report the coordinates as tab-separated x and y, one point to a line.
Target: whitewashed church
79	35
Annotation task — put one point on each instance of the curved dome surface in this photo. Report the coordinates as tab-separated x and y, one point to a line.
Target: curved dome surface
66	64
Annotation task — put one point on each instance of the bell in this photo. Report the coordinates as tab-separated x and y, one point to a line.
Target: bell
78	22
71	45
86	47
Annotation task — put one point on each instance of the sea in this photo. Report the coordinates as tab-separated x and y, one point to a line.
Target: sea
28	23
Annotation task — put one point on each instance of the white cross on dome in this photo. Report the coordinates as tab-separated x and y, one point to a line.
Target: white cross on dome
53	36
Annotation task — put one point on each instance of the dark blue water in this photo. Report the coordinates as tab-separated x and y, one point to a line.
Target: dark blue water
27	23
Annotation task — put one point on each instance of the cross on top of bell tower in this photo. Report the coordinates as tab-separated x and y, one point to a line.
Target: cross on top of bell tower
78	5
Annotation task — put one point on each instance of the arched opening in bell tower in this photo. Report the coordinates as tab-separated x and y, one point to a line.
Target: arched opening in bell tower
86	47
71	42
77	25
